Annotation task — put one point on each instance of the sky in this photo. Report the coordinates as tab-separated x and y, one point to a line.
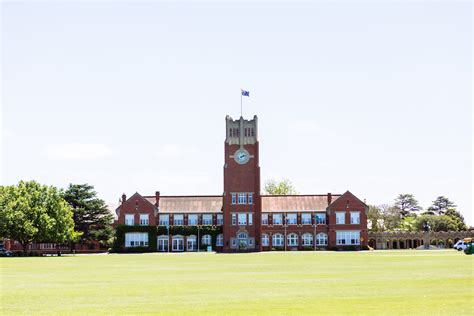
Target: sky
375	98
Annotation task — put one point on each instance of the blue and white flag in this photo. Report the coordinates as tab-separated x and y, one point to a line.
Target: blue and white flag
245	93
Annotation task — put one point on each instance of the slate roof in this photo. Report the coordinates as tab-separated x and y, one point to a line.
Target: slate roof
189	204
296	203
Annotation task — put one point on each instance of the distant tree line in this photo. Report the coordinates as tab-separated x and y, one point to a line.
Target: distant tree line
405	214
34	213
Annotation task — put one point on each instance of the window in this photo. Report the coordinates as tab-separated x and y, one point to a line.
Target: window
220	219
292	240
178	220
277	219
136	239
234	198
264	219
192	220
220	240
242	198
242	240
321	239
177	243
164	219
307	239
320	218
242	218
250	198
265	240
355	217
234	219
191	244
207	219
306	219
129	219
144	219
277	240
163	243
340	217
291	219
206	240
347	237
234	242
250	219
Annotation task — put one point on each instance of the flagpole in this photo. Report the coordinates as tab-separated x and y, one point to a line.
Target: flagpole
240	102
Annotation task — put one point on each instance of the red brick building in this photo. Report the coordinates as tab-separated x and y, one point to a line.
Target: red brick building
242	219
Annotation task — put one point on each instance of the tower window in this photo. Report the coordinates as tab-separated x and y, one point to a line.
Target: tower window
253	133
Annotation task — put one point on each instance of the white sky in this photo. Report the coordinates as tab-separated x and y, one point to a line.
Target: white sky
374	98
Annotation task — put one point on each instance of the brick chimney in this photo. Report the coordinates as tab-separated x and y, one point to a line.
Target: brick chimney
329	198
124	198
157	198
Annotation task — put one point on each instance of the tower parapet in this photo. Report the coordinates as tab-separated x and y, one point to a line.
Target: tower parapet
241	131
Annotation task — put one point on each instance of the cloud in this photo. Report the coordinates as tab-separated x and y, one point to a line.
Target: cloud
77	151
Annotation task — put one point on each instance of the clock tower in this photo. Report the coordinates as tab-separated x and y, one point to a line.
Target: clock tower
241	200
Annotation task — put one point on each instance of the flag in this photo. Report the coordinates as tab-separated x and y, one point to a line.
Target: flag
245	93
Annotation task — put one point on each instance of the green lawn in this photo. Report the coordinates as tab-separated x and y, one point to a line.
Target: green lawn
384	282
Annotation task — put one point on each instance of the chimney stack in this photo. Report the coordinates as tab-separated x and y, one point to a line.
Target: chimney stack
124	198
157	198
329	198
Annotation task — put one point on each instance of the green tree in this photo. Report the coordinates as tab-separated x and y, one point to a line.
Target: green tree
31	212
440	206
392	217
91	215
284	187
408	224
457	218
375	219
438	223
407	204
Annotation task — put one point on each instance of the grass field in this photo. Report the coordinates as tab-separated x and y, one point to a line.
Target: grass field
388	282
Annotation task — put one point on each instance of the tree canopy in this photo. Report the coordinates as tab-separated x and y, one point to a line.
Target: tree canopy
91	215
284	187
407	204
31	212
440	206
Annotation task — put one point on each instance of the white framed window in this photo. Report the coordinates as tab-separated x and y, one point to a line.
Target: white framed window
277	219
242	218
136	239
265	240
164	219
234	219
234	198
264	219
178	220
234	242
129	219
320	218
292	240
355	217
191	243
340	217
291	219
277	240
347	237
250	219
307	239
242	198
163	243
144	221
207	219
250	198
220	240
321	239
306	218
177	243
192	220
220	219
206	240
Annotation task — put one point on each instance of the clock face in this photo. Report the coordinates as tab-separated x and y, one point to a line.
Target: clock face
241	156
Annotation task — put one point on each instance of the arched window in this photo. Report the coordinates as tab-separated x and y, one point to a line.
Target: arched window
292	240
163	243
220	240
307	239
321	239
277	240
206	240
191	243
242	236
265	240
177	243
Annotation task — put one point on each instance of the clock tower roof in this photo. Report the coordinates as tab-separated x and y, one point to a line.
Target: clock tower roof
241	131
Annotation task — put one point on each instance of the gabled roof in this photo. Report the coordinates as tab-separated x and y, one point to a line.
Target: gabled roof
288	203
348	193
117	210
190	204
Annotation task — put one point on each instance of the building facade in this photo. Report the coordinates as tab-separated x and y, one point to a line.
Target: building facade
241	219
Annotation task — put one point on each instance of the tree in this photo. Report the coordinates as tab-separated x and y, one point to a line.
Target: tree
284	187
457	218
375	219
438	223
407	204
31	212
392	217
408	224
440	206
91	215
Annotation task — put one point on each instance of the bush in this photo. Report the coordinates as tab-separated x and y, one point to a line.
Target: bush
278	248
